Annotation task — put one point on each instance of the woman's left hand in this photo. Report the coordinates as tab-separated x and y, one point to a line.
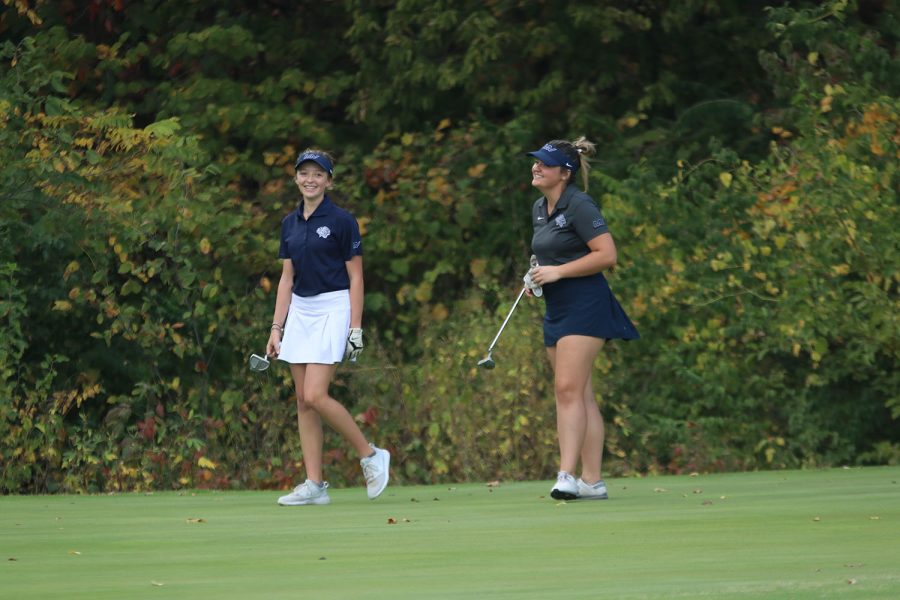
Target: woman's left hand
544	275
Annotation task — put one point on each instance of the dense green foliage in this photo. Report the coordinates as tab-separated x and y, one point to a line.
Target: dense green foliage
748	166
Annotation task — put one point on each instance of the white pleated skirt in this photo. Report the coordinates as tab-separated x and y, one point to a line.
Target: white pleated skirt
316	329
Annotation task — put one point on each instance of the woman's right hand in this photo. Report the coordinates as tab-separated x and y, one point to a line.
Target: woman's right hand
273	346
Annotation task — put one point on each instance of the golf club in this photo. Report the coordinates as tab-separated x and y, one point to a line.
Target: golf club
488	362
259	363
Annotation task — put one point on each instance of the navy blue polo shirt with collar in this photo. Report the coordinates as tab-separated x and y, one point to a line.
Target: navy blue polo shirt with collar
563	236
320	247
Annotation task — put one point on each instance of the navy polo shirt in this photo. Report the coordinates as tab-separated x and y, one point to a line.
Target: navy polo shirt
320	247
563	236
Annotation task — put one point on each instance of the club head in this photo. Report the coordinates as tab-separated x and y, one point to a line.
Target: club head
487	362
258	363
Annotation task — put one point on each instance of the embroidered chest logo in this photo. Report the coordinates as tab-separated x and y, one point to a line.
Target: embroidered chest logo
561	221
323	232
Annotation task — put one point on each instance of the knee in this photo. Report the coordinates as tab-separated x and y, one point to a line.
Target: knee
311	400
568	392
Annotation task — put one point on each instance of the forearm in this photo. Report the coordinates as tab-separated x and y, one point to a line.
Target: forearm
357	295
282	300
591	263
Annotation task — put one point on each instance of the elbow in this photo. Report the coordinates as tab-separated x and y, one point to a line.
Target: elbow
613	260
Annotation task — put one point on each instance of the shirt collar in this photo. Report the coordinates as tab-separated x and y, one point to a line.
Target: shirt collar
324	208
563	202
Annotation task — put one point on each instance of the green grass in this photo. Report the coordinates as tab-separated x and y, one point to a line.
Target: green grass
789	534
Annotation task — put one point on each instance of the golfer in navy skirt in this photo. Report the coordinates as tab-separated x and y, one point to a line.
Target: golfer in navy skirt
573	247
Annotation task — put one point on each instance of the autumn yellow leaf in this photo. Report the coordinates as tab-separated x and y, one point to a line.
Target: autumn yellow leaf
725	177
205	246
72	267
476	171
62	305
843	269
205	463
439	313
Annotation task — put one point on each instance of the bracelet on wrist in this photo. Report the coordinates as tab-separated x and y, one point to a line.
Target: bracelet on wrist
278	327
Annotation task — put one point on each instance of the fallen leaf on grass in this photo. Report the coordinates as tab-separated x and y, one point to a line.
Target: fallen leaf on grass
851	581
874	518
413	500
74	552
817	519
707	502
392	521
157	583
195	520
660	490
695	474
493	484
698	491
12	559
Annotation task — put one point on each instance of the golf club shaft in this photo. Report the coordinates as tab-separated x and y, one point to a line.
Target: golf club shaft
515	304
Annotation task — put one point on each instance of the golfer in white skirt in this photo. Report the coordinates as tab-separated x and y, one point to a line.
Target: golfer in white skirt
318	323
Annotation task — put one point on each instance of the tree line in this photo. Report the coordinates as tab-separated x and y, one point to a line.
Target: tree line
747	165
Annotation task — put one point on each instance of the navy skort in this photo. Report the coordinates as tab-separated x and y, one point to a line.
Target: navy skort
584	306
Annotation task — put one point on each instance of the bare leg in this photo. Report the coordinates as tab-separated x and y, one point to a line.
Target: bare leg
572	361
315	380
309	424
594	437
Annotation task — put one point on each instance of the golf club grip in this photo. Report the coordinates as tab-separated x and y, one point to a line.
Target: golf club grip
506	320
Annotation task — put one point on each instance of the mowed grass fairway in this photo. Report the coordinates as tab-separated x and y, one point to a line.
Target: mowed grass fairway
787	534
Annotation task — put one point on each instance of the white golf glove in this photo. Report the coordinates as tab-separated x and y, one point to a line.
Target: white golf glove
354	344
531	285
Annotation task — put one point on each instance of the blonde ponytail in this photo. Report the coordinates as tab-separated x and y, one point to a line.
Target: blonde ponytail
584	148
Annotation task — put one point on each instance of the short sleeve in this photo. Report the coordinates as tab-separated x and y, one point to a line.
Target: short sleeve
351	242
588	221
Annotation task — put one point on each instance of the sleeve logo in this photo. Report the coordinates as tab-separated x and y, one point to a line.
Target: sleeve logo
599	223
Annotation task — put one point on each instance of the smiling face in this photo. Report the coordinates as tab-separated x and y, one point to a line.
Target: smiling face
312	180
548	179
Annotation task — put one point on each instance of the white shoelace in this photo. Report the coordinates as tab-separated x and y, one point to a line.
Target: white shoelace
369	469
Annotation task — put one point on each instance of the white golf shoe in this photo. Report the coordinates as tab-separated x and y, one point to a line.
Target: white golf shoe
566	487
376	470
306	493
596	491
